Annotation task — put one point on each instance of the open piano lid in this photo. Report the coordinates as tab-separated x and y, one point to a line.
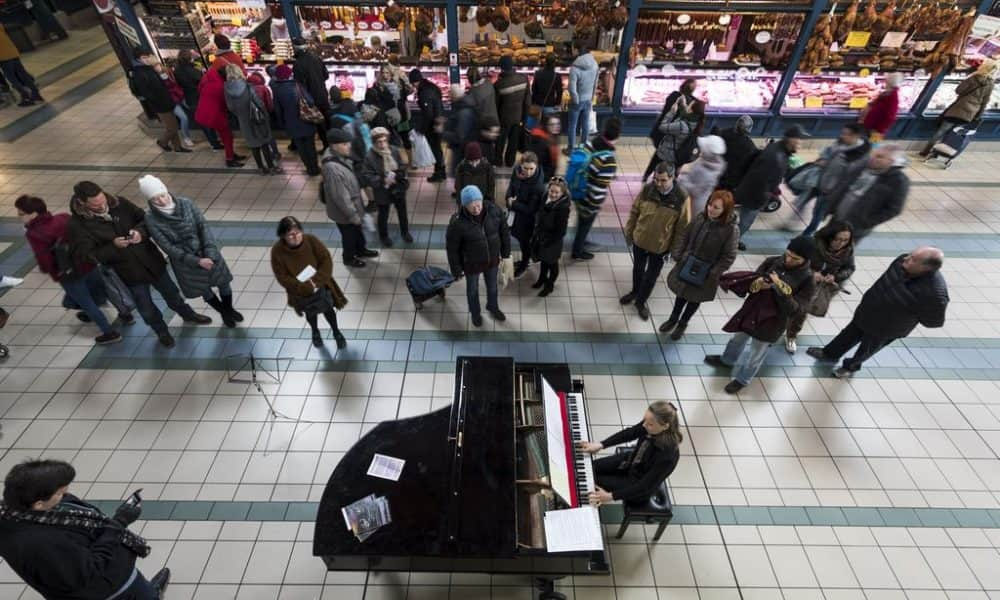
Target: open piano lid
559	442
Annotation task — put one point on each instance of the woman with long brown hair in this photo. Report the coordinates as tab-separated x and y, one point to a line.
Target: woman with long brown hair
635	475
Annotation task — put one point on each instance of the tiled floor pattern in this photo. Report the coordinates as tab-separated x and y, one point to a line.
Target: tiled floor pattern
801	487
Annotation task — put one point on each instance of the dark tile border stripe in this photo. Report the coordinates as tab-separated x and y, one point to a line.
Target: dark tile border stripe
60	71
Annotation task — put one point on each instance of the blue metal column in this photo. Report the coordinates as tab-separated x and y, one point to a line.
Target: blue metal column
793	62
291	18
451	24
621	70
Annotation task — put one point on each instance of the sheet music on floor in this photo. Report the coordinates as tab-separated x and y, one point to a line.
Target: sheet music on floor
573	530
386	467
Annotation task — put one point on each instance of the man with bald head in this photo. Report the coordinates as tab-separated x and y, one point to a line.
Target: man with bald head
912	291
877	194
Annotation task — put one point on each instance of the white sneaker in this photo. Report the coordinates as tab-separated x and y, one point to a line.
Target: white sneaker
187	143
6	281
790	346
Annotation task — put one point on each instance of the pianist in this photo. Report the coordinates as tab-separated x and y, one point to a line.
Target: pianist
635	475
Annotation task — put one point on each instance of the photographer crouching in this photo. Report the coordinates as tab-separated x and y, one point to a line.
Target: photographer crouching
65	548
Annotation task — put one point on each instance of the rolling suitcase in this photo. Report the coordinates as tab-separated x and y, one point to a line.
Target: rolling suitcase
426	283
953	143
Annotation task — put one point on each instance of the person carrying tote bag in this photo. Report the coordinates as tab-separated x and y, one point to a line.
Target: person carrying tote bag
709	249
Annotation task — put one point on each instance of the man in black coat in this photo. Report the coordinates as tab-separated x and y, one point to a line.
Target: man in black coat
430	120
66	548
547	87
109	230
461	126
877	194
311	74
740	152
149	84
513	101
477	240
912	291
761	181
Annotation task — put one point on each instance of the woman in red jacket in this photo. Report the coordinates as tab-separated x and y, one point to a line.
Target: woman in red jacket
82	282
880	114
211	112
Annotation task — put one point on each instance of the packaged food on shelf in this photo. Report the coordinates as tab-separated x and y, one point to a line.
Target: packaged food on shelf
366	34
722	90
847	91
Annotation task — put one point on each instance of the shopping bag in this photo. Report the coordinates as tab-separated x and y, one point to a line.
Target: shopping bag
368	222
593	121
506	274
421	155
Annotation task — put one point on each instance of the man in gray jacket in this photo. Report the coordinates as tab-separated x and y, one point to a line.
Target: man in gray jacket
582	83
342	194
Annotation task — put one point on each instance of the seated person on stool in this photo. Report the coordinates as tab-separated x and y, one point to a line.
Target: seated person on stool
634	476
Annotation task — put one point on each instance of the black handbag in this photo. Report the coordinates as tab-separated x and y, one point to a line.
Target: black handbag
694	271
318	303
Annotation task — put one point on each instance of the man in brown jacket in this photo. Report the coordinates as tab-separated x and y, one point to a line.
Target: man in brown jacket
14	71
655	227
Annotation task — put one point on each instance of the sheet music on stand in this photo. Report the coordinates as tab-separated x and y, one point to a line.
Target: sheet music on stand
573	530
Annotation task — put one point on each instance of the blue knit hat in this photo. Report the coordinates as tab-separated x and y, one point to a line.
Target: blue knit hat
470	194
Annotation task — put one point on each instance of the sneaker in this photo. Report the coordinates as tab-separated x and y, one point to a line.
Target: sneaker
7	281
83	317
198	319
643	311
356	262
583	255
369	253
627	298
160	581
842	373
187	143
667	325
733	386
477	320
790	345
498	314
817	353
715	360
104	339
408	238
166	340
126	319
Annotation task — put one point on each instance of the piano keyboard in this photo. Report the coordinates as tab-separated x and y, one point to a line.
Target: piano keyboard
583	463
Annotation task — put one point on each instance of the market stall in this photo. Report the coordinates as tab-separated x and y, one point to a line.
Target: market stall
982	44
175	25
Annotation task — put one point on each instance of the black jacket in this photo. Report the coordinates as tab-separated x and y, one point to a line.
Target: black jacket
894	305
513	98
92	239
431	107
188	76
476	244
740	152
647	474
763	177
147	85
312	74
882	201
551	222
68	563
461	127
482	175
530	194
547	88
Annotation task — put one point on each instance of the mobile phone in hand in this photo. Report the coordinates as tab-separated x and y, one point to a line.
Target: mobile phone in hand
135	499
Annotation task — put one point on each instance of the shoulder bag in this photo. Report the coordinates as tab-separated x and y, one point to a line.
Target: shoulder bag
308	112
694	271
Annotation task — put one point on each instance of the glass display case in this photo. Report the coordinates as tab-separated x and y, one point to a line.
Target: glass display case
843	91
983	43
175	25
737	58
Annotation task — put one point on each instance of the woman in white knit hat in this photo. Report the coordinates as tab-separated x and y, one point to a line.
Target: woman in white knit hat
178	227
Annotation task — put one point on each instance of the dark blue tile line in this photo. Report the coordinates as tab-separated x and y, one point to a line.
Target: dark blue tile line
50	110
845	516
56	73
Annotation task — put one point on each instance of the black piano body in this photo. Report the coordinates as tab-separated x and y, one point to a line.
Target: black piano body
455	507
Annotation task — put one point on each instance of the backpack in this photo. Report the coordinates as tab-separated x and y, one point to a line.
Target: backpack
322	189
357	128
257	114
576	170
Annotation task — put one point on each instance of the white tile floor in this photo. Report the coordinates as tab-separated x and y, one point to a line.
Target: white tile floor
796	441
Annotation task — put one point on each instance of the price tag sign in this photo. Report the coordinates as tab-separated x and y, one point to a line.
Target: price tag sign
858	102
894	39
814	101
238	21
857	39
794	102
864	72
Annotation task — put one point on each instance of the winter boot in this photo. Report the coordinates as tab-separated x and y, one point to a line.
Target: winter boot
227	303
227	317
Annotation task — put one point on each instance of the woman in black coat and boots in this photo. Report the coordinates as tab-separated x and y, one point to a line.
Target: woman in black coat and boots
525	195
385	173
551	223
635	475
711	237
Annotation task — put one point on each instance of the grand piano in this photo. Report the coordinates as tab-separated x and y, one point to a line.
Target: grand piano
478	479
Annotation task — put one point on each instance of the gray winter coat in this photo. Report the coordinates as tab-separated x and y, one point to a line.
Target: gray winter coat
185	238
483	97
344	204
239	96
700	178
711	241
674	134
583	79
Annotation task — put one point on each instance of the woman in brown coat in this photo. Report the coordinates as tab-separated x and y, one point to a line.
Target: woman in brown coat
712	237
303	266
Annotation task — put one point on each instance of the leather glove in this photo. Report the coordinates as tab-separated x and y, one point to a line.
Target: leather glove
127	514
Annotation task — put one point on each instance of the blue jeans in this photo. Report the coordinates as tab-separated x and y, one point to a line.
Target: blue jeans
87	293
578	113
148	310
20	79
747	217
140	589
819	213
472	290
583	227
745	364
182	118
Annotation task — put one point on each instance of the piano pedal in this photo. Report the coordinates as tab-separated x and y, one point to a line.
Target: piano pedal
547	589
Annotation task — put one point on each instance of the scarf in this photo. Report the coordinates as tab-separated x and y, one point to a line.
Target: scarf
637	455
65	516
388	162
168	209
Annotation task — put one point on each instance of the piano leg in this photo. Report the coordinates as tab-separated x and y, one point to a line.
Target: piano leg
546	587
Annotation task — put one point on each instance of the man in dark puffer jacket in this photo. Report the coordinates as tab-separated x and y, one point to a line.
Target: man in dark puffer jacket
911	291
476	240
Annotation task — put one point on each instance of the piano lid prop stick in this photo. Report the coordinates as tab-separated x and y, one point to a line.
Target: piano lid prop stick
524	415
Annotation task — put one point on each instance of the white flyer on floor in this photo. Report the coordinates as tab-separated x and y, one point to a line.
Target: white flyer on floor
386	467
573	530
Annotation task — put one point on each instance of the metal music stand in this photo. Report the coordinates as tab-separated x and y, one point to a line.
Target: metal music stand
255	367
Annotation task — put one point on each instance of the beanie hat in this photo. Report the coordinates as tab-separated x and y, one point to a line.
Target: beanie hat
150	187
470	194
221	42
338	136
506	63
283	72
380	132
415	75
612	129
744	123
473	151
712	145
803	246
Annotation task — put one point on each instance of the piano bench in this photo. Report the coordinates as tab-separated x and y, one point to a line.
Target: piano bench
658	508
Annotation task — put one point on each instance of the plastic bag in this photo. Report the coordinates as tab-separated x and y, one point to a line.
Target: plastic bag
506	274
593	122
421	155
368	222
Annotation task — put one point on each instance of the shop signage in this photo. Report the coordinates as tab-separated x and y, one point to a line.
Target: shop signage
894	39
857	39
128	31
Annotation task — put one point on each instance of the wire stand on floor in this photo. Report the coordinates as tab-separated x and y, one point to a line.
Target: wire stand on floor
255	367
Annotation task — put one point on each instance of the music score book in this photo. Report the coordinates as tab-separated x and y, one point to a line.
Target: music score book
573	530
